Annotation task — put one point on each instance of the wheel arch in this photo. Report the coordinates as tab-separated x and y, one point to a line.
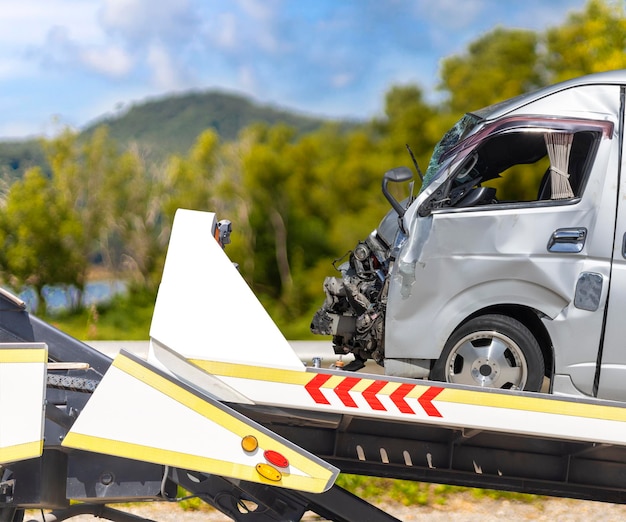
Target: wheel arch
529	318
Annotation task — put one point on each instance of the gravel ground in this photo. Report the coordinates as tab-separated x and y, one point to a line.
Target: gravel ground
460	508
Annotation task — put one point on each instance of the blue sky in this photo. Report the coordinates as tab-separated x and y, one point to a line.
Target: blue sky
67	62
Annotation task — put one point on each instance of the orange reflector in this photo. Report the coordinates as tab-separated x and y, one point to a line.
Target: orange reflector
269	472
273	457
249	443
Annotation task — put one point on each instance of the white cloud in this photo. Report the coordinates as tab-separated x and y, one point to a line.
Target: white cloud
261	10
78	57
165	74
225	31
111	61
247	79
141	20
28	21
252	26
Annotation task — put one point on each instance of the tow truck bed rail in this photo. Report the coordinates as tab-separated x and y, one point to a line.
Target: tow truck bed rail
233	416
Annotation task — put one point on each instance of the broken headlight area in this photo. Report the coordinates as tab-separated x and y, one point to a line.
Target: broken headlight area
354	309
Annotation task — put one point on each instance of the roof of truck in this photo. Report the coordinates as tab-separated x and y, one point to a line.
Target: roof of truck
617	77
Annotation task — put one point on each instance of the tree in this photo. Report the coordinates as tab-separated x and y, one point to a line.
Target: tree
133	244
190	181
81	174
41	237
266	171
499	65
407	122
588	42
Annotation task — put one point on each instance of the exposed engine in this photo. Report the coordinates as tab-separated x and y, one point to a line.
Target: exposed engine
355	306
354	309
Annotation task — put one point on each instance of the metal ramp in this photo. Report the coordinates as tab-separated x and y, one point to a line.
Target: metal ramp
100	481
472	458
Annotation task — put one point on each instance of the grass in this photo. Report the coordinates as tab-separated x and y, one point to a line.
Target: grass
125	317
410	493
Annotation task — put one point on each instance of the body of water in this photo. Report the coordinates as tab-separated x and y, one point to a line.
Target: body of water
59	298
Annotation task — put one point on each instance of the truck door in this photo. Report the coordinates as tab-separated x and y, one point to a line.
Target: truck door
611	378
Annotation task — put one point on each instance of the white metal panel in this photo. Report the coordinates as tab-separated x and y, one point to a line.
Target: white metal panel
423	402
206	310
22	392
140	413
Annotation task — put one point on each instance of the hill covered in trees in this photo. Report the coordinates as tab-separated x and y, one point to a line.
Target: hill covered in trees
167	125
171	124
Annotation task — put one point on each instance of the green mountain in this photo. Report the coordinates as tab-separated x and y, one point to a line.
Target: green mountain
172	124
168	125
17	156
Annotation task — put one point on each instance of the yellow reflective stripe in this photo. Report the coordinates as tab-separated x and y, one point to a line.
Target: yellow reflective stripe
257	373
192	462
533	404
27	450
181	395
215	414
23	355
556	406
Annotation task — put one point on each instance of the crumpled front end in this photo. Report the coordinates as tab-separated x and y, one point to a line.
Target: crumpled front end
354	309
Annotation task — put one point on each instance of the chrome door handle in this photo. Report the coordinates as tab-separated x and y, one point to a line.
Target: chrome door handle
567	240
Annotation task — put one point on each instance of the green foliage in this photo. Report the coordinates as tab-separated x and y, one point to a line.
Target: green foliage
590	41
408	121
126	317
300	192
166	126
17	156
189	502
189	181
41	237
410	493
499	65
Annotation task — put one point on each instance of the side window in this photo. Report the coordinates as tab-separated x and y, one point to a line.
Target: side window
521	167
536	166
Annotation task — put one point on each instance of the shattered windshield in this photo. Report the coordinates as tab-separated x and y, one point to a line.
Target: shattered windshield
450	139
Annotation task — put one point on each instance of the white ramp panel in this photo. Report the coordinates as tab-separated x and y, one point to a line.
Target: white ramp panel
141	413
206	310
22	395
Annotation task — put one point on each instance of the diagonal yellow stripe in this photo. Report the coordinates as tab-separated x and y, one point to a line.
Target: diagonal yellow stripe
27	450
215	414
257	373
191	462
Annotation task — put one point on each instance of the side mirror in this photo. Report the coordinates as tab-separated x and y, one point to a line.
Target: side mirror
397	175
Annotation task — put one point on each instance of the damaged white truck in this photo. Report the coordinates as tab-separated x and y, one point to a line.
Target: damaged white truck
459	284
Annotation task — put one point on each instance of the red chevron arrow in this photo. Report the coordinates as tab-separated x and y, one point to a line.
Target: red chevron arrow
398	397
426	398
369	394
314	385
343	391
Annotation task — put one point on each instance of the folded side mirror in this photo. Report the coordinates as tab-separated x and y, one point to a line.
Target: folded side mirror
397	175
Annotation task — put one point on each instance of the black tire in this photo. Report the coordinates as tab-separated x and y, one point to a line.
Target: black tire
492	351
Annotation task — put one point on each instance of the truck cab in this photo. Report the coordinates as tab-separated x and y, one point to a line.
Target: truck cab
469	285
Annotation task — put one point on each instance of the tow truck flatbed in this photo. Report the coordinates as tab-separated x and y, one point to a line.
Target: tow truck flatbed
78	425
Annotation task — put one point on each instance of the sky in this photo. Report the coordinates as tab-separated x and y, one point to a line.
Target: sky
69	62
